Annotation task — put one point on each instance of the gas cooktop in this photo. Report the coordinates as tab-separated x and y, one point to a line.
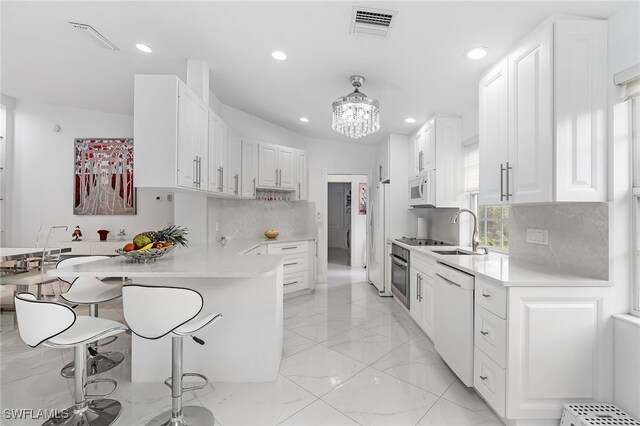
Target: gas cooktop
414	241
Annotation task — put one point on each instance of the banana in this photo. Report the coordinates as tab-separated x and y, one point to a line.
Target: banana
147	247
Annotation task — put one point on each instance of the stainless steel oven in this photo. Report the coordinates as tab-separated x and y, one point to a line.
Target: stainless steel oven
400	274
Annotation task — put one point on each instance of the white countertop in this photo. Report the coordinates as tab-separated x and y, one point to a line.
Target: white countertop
195	261
510	273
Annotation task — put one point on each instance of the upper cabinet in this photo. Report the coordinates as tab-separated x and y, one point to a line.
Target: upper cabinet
549	98
249	168
301	175
436	159
181	143
234	164
276	167
170	130
218	144
383	159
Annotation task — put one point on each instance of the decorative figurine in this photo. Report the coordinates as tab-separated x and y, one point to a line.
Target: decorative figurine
103	234
77	234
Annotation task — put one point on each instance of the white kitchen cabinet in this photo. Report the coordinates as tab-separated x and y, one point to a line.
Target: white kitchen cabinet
428	305
436	157
170	130
249	168
301	175
493	133
234	164
276	167
415	305
383	166
556	84
287	167
218	143
537	348
299	264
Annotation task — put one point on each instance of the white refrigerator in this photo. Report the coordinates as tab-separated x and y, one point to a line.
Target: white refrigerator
379	234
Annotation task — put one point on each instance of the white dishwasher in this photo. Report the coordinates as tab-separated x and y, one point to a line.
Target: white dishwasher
453	323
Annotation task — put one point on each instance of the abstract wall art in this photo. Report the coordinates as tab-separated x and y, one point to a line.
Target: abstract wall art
104	177
362	199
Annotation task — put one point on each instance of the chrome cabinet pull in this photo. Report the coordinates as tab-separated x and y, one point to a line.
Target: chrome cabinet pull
508	194
483	378
290	264
237	183
484	333
291	283
488	296
299	195
254	187
195	171
501	182
289	248
276	184
380	172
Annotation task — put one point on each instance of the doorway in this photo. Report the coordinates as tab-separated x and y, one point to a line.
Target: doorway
346	228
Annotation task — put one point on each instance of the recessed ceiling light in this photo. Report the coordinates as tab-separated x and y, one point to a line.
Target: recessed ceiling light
279	55
476	52
144	48
410	120
304	119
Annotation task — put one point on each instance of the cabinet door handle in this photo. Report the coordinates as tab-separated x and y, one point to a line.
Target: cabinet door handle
290	264
488	296
237	183
195	171
483	378
276	184
484	333
289	248
199	172
299	195
380	172
254	187
291	283
501	182
508	194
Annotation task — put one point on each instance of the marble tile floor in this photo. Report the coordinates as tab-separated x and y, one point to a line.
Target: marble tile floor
349	357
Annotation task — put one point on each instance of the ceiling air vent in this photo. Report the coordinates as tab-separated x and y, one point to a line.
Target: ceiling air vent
99	38
372	22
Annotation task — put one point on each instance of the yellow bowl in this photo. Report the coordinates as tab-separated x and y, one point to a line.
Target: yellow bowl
272	235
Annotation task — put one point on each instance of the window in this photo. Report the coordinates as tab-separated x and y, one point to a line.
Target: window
635	147
494	224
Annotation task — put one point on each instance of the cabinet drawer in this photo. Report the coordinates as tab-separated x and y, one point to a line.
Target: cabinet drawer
295	263
295	281
491	335
489	381
288	248
492	297
425	263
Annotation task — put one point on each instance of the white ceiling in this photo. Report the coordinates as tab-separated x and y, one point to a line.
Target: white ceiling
418	71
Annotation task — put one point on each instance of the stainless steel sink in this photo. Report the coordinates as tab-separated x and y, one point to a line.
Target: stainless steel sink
454	252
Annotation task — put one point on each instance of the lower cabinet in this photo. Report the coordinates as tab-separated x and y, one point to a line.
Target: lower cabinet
421	292
537	348
299	267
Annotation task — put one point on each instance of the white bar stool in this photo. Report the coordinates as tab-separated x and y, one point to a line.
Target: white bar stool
57	326
155	311
90	291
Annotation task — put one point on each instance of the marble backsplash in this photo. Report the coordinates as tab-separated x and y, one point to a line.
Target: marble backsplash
250	218
578	237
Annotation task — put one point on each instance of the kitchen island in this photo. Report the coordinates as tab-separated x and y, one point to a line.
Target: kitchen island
245	345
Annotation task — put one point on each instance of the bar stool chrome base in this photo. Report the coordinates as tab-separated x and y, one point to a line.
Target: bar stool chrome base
100	412
98	364
192	415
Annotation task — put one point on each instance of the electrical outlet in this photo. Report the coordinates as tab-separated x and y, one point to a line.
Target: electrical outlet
538	236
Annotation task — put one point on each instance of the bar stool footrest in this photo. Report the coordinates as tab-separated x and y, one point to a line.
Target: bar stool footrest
169	382
97	396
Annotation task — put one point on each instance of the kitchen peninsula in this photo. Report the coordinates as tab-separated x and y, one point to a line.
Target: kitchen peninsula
246	288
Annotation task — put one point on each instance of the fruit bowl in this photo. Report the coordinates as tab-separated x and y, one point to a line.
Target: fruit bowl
271	234
145	256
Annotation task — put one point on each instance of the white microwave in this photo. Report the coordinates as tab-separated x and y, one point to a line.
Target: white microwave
420	192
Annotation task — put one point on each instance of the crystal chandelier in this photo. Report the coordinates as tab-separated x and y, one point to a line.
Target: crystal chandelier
355	115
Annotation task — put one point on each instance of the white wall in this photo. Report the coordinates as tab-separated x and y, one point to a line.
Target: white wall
42	178
322	154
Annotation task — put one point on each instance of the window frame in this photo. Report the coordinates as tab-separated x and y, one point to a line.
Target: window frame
475	207
635	206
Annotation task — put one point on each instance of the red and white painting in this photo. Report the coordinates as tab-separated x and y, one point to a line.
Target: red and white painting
104	177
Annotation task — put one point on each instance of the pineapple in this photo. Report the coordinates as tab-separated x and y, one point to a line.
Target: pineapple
173	233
